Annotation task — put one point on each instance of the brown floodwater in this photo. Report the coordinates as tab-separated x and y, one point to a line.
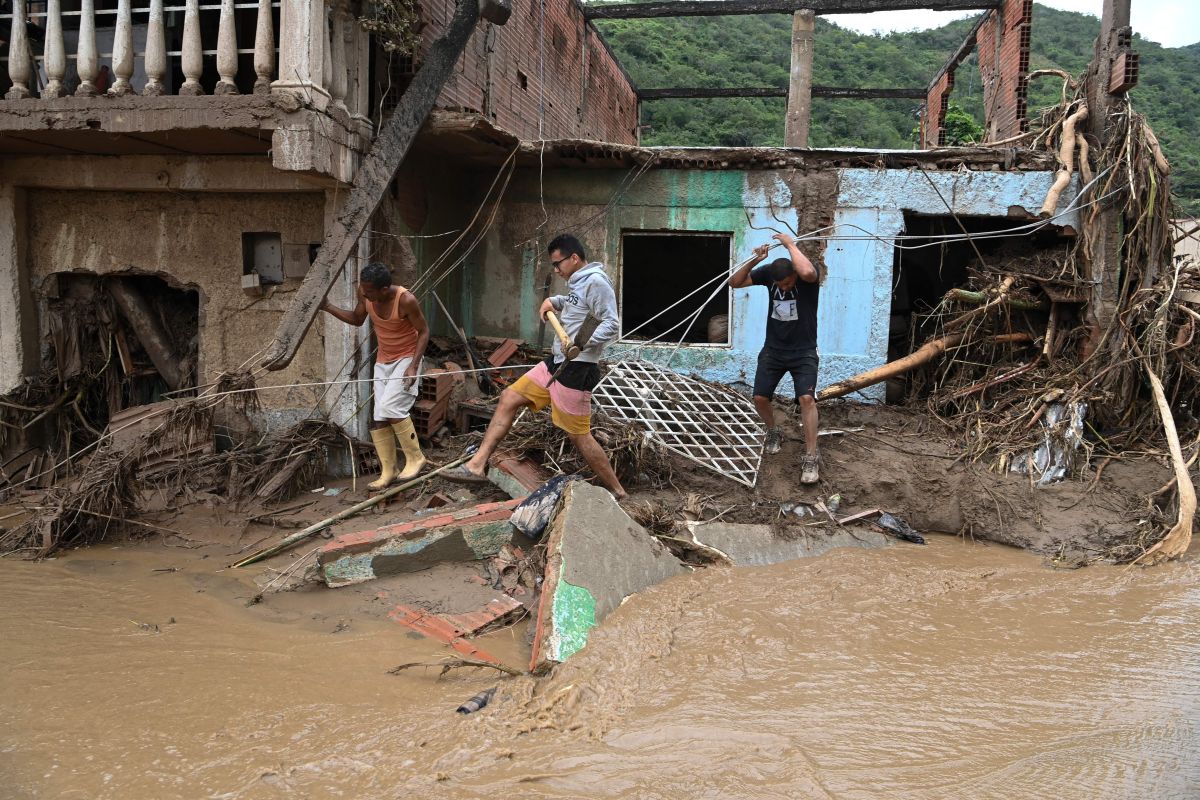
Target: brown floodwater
950	671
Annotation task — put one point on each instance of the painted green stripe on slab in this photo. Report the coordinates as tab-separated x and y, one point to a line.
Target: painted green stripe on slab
574	614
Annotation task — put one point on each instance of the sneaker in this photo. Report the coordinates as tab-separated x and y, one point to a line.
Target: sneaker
774	441
809	472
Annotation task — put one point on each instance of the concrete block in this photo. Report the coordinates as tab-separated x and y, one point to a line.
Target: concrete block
758	546
517	476
596	556
463	535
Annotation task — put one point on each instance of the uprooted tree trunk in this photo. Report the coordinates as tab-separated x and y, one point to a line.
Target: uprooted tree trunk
1179	537
926	353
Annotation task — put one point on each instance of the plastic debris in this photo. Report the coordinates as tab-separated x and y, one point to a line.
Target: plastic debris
477	702
533	514
899	528
1054	458
798	509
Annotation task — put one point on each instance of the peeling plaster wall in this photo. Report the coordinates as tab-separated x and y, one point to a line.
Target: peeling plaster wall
192	241
505	288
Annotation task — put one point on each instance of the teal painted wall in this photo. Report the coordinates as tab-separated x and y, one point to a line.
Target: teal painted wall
598	205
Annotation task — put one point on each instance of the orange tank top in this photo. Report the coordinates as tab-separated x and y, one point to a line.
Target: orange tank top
396	335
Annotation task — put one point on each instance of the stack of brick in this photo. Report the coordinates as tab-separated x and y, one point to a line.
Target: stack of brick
548	74
433	402
1003	42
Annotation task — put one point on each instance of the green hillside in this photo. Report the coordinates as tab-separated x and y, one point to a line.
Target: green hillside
754	51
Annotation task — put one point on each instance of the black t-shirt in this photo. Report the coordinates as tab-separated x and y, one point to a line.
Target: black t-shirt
792	315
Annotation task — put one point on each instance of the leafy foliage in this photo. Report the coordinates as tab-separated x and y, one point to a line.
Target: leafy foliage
396	23
961	127
754	51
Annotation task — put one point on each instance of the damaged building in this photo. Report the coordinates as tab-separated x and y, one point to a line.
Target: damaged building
171	216
204	180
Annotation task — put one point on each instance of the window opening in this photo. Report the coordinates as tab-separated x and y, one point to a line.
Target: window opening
658	269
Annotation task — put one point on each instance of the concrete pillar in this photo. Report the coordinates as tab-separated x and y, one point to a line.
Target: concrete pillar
18	331
799	104
1106	243
342	341
302	50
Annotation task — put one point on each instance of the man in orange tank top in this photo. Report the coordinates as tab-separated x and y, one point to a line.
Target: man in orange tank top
402	334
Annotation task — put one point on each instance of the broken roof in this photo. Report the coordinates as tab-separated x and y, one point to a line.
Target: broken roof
469	136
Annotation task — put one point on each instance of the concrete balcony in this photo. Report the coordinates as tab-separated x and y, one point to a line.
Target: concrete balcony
139	80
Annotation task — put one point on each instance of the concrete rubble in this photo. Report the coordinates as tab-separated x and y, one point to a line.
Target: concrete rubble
748	545
596	556
464	535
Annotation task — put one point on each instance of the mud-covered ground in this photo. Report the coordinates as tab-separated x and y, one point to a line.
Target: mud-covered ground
904	463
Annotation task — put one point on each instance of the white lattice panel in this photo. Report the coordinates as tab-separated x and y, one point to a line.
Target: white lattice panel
711	425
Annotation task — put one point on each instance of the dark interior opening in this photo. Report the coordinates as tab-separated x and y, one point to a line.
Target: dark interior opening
925	270
658	269
99	353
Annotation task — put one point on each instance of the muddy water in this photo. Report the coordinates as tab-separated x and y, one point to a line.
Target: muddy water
949	671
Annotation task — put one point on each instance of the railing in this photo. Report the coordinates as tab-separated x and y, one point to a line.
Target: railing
242	61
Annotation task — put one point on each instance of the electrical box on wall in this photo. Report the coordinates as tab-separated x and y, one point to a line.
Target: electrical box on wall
262	255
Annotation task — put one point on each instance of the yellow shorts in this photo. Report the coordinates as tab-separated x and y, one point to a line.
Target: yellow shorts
570	409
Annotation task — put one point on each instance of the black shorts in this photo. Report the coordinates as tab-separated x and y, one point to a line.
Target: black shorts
773	366
579	375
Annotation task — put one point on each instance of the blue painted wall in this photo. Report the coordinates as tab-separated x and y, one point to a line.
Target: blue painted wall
855	298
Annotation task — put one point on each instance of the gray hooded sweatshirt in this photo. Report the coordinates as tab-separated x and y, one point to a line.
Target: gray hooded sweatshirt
588	291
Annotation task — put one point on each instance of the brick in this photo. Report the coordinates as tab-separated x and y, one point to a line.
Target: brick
441	630
474	621
503	353
463	535
428	416
435	385
517	476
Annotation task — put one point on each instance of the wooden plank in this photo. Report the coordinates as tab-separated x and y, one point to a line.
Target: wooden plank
148	328
371	182
717	8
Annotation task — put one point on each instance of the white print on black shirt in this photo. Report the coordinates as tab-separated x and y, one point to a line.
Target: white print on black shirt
784	310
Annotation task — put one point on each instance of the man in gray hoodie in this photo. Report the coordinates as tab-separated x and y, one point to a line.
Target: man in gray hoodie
570	394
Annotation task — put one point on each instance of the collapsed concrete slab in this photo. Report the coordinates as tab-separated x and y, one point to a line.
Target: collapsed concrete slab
463	535
596	556
758	546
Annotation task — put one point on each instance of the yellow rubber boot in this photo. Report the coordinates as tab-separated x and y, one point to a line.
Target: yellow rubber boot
414	459
385	446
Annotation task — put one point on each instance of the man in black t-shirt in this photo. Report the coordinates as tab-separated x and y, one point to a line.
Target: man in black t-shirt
791	345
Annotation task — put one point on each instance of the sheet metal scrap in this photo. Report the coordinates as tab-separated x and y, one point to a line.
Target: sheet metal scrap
709	424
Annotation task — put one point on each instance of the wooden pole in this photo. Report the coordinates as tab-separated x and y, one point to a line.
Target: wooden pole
927	352
375	174
799	104
145	323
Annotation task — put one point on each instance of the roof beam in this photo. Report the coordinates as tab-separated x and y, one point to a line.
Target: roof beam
716	8
769	91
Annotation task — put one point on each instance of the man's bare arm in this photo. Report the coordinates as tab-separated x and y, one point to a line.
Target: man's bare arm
356	317
804	268
411	310
741	278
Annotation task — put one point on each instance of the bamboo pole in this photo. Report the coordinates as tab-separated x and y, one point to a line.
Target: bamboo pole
317	527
